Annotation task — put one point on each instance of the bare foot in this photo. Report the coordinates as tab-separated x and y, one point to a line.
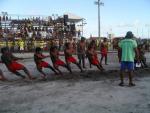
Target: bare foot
44	77
32	78
131	84
121	84
3	79
56	73
81	71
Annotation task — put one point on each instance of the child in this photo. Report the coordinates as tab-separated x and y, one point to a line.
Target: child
93	59
10	61
54	54
68	56
38	56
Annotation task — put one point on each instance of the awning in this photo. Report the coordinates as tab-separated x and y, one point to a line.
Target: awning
73	18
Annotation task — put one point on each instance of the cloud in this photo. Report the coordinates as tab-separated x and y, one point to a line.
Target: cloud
132	24
123	25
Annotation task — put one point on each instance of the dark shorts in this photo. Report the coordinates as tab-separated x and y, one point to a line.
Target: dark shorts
14	66
127	65
81	56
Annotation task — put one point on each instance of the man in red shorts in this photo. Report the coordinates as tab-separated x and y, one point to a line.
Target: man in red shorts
68	55
93	59
10	61
38	56
104	50
54	54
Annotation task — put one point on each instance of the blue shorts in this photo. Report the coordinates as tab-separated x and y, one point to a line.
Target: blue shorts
127	65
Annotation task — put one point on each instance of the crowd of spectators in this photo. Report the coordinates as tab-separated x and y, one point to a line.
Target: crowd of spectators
32	32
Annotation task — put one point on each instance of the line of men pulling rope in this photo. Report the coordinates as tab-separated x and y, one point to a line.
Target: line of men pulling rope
128	48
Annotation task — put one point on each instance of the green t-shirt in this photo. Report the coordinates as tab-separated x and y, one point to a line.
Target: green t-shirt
128	52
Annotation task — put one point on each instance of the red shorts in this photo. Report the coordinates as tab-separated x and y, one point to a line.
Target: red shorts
59	63
14	66
71	59
43	64
104	52
95	61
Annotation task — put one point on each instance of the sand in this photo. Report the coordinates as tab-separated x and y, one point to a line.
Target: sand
77	93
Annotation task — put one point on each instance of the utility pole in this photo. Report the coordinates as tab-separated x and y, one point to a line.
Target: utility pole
99	3
148	32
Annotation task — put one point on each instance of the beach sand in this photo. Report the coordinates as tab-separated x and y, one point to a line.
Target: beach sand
89	92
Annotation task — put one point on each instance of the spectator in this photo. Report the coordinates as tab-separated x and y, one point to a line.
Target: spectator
81	46
21	45
142	57
128	48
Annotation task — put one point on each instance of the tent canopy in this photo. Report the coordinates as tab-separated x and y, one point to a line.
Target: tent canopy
73	18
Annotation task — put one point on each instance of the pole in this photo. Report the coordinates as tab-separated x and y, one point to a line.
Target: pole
148	32
99	4
82	27
99	30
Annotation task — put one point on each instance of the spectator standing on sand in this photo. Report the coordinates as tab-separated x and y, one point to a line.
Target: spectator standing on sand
142	58
128	48
81	49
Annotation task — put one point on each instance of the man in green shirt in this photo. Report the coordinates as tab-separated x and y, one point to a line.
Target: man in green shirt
128	47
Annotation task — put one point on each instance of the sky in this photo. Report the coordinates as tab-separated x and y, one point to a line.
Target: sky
117	16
